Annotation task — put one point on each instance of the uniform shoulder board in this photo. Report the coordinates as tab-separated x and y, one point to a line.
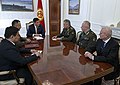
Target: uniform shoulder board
73	33
71	28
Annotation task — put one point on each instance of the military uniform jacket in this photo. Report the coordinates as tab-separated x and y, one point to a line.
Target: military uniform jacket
87	39
68	34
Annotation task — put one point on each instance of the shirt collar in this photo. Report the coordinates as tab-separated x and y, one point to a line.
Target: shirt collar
106	40
10	41
35	26
87	31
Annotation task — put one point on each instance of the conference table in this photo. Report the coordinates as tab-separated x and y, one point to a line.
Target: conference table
63	63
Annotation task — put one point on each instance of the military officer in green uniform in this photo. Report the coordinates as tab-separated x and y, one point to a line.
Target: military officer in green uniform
68	33
87	37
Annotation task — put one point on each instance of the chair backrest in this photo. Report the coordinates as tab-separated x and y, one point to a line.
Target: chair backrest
1	39
118	24
14	81
78	34
28	24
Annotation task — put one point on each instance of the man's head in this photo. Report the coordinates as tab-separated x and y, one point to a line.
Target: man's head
36	22
105	33
85	26
12	33
16	23
67	23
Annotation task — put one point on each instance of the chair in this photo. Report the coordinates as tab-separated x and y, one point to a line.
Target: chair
28	24
109	82
118	24
15	81
78	34
1	39
117	81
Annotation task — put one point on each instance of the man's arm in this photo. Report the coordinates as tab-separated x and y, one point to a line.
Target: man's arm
112	56
92	42
61	34
15	57
43	31
71	36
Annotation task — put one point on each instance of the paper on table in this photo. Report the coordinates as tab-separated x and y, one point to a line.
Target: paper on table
40	51
38	38
36	35
54	39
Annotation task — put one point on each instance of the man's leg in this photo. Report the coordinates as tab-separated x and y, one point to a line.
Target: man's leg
98	81
25	73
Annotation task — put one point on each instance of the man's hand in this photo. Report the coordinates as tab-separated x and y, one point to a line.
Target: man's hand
54	37
33	51
89	55
28	41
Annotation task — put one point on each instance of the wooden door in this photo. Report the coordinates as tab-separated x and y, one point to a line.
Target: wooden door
54	19
54	16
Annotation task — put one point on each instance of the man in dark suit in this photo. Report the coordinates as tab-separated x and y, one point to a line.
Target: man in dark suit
87	37
16	23
11	59
68	33
35	28
107	51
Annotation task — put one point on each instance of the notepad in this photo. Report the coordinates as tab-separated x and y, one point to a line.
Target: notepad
38	37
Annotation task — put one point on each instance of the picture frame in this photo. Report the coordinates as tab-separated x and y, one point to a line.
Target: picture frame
17	5
74	7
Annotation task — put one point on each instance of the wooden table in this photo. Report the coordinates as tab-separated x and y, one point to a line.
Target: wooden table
63	63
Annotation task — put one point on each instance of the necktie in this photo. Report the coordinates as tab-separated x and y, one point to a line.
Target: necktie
103	44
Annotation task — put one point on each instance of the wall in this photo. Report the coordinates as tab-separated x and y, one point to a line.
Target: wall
76	20
6	17
104	12
98	12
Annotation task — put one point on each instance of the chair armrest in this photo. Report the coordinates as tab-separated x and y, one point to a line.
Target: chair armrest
7	72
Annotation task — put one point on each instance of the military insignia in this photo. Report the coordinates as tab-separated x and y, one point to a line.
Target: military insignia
86	38
72	33
94	39
40	14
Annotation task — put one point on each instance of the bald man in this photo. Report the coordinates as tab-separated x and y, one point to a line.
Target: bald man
107	51
87	37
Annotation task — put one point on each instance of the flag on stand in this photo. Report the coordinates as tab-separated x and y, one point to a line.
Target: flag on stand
40	14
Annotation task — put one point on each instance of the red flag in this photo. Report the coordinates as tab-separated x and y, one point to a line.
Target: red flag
40	13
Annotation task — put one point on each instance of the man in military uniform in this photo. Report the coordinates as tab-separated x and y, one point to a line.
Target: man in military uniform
87	37
68	33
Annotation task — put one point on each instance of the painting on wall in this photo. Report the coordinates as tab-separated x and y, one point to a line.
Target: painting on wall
17	5
74	6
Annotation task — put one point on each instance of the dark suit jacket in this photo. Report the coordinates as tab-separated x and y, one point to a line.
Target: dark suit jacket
31	30
108	54
10	57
